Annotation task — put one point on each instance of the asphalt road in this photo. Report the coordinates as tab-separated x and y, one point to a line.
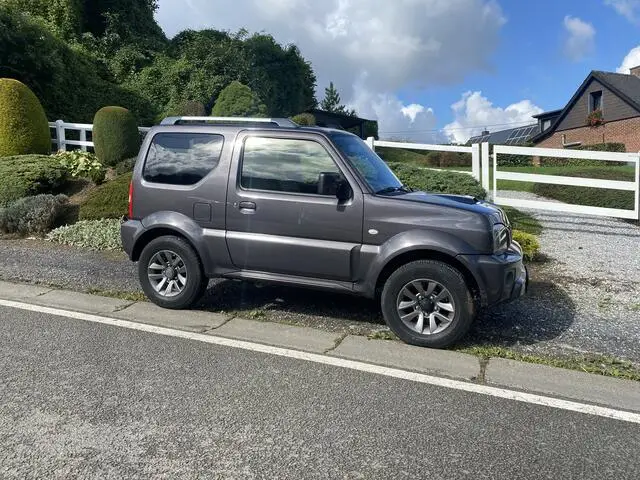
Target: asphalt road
84	400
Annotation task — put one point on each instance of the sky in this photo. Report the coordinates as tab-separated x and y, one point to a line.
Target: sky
438	70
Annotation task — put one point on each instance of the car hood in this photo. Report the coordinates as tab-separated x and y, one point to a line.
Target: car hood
461	202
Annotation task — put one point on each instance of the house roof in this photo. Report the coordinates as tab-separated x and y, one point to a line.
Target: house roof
550	113
512	136
625	86
332	118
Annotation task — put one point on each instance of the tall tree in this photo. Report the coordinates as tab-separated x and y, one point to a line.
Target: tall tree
332	102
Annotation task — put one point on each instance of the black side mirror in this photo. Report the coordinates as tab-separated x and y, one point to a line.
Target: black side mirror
328	183
343	192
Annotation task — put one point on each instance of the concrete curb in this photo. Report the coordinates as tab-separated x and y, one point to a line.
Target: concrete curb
541	379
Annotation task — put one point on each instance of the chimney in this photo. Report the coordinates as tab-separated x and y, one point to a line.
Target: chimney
486	132
635	71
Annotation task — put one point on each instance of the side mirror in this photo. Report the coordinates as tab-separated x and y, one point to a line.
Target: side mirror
343	192
328	183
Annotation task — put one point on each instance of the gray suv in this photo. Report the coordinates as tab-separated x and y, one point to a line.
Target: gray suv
266	200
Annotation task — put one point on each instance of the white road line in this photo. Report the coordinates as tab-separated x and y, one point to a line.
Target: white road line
338	362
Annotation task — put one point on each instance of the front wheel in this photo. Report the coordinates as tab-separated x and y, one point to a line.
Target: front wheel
427	303
170	273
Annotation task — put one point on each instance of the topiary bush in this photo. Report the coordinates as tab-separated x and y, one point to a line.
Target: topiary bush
110	200
25	175
33	215
419	178
92	234
304	119
24	128
529	243
115	135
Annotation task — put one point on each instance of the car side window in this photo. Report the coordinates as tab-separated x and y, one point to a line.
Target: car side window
288	165
182	158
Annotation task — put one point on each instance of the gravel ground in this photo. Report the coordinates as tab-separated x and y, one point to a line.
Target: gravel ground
584	299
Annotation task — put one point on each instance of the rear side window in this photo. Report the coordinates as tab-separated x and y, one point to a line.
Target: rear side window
182	158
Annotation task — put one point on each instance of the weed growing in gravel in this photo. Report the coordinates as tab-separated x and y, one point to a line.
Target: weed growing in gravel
129	296
382	335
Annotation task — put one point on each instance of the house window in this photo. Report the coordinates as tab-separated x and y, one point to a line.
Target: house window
546	124
595	101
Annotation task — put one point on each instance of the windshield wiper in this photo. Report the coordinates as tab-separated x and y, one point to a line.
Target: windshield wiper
386	190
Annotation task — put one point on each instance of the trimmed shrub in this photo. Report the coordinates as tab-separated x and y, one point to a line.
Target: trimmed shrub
125	166
238	100
110	200
82	164
305	119
575	162
437	182
24	128
33	215
25	175
115	135
529	243
91	234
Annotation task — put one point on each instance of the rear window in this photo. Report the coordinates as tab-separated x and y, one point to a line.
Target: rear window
182	158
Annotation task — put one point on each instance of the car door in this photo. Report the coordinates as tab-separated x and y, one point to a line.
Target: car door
281	217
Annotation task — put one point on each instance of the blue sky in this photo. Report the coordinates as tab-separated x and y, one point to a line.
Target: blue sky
431	70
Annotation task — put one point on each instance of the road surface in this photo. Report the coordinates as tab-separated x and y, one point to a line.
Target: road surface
85	400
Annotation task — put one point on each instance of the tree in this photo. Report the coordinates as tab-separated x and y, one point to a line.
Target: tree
331	102
238	100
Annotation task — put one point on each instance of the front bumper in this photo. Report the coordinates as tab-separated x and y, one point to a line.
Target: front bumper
501	278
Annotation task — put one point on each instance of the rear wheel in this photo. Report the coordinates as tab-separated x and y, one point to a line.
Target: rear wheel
170	273
427	303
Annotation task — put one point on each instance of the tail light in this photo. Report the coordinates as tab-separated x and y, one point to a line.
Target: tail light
131	199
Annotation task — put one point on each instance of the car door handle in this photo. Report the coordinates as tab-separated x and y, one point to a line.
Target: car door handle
247	206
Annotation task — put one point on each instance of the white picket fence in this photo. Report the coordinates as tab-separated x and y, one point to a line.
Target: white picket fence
60	136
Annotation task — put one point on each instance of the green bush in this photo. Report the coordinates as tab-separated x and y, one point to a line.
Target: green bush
400	155
432	181
448	159
529	243
33	215
82	164
238	100
115	135
305	119
24	128
91	234
595	197
125	166
575	162
110	200
25	175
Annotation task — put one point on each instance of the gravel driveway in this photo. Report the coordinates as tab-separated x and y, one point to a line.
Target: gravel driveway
584	299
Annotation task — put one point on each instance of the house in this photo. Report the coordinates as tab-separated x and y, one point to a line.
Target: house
360	126
512	136
604	109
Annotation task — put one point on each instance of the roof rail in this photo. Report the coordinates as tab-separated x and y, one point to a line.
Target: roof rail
280	122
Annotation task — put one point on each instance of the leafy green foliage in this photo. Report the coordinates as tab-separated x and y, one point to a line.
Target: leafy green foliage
23	124
125	166
238	100
401	155
33	215
596	197
304	119
574	162
332	102
91	234
115	135
529	243
110	200
82	164
26	175
437	182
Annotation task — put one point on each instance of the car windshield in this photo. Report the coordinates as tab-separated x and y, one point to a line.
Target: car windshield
372	168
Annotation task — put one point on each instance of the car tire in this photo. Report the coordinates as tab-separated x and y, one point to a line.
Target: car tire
160	255
419	296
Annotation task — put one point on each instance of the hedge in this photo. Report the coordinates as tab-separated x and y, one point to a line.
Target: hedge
24	128
426	180
115	135
575	162
110	200
25	175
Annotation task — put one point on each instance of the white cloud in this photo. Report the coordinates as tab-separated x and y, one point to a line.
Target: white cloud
580	40
370	49
632	59
627	8
473	113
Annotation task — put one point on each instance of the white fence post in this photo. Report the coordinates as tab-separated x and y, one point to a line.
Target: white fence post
62	145
486	159
83	138
475	161
637	202
371	141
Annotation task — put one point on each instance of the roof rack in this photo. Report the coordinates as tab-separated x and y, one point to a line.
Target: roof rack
279	122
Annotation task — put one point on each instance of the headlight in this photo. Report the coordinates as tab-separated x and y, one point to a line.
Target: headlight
501	238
